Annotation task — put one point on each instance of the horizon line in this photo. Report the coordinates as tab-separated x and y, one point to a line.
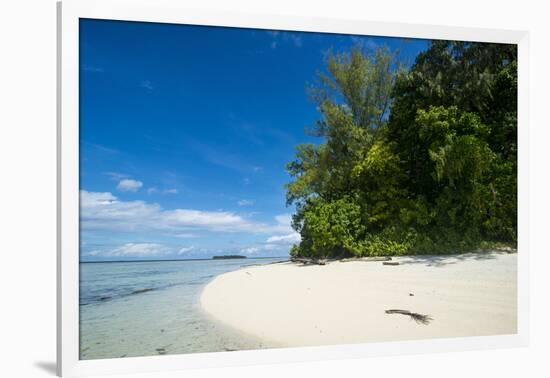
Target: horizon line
160	260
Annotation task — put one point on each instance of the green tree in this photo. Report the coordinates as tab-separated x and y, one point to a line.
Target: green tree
354	98
330	229
410	161
460	159
465	93
478	78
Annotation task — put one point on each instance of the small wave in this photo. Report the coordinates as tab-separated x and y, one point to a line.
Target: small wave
102	298
141	291
113	293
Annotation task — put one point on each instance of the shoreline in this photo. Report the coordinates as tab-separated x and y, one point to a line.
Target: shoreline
164	317
289	304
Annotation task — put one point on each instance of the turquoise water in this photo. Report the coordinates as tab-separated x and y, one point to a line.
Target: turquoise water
152	308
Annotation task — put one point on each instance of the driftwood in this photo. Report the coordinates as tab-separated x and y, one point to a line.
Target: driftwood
507	249
309	261
390	263
419	318
277	262
367	259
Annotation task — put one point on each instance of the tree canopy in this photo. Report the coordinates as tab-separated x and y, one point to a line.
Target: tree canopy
419	160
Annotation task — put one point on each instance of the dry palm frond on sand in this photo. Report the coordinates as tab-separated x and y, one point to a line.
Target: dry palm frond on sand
419	318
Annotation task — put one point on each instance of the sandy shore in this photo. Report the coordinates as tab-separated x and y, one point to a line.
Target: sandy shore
345	302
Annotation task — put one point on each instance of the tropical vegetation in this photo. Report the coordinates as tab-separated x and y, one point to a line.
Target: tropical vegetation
419	159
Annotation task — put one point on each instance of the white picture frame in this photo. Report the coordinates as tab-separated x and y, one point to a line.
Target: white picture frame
69	13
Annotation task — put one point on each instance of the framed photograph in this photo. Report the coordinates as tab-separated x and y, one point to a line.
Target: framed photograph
238	189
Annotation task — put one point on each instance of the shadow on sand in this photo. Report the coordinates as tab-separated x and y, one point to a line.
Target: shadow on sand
430	260
444	260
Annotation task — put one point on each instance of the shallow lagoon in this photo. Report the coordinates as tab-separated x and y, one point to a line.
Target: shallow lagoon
130	309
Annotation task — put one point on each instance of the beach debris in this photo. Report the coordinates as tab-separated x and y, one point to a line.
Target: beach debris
248	273
230	350
411	295
106	298
161	350
390	263
140	291
309	261
367	259
506	249
419	318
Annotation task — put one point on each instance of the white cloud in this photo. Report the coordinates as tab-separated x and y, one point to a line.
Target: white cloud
154	190
138	250
206	219
93	199
129	185
250	250
265	247
104	211
117	176
146	84
285	239
245	202
184	250
284	219
185	235
283	224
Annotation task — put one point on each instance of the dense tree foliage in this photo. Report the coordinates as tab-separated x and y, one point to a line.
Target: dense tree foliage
411	160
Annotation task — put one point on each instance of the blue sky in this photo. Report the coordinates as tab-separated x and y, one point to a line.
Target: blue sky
185	132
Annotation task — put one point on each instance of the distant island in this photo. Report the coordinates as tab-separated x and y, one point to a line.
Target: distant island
228	257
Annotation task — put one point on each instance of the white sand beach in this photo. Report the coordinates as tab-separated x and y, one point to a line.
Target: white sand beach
290	304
